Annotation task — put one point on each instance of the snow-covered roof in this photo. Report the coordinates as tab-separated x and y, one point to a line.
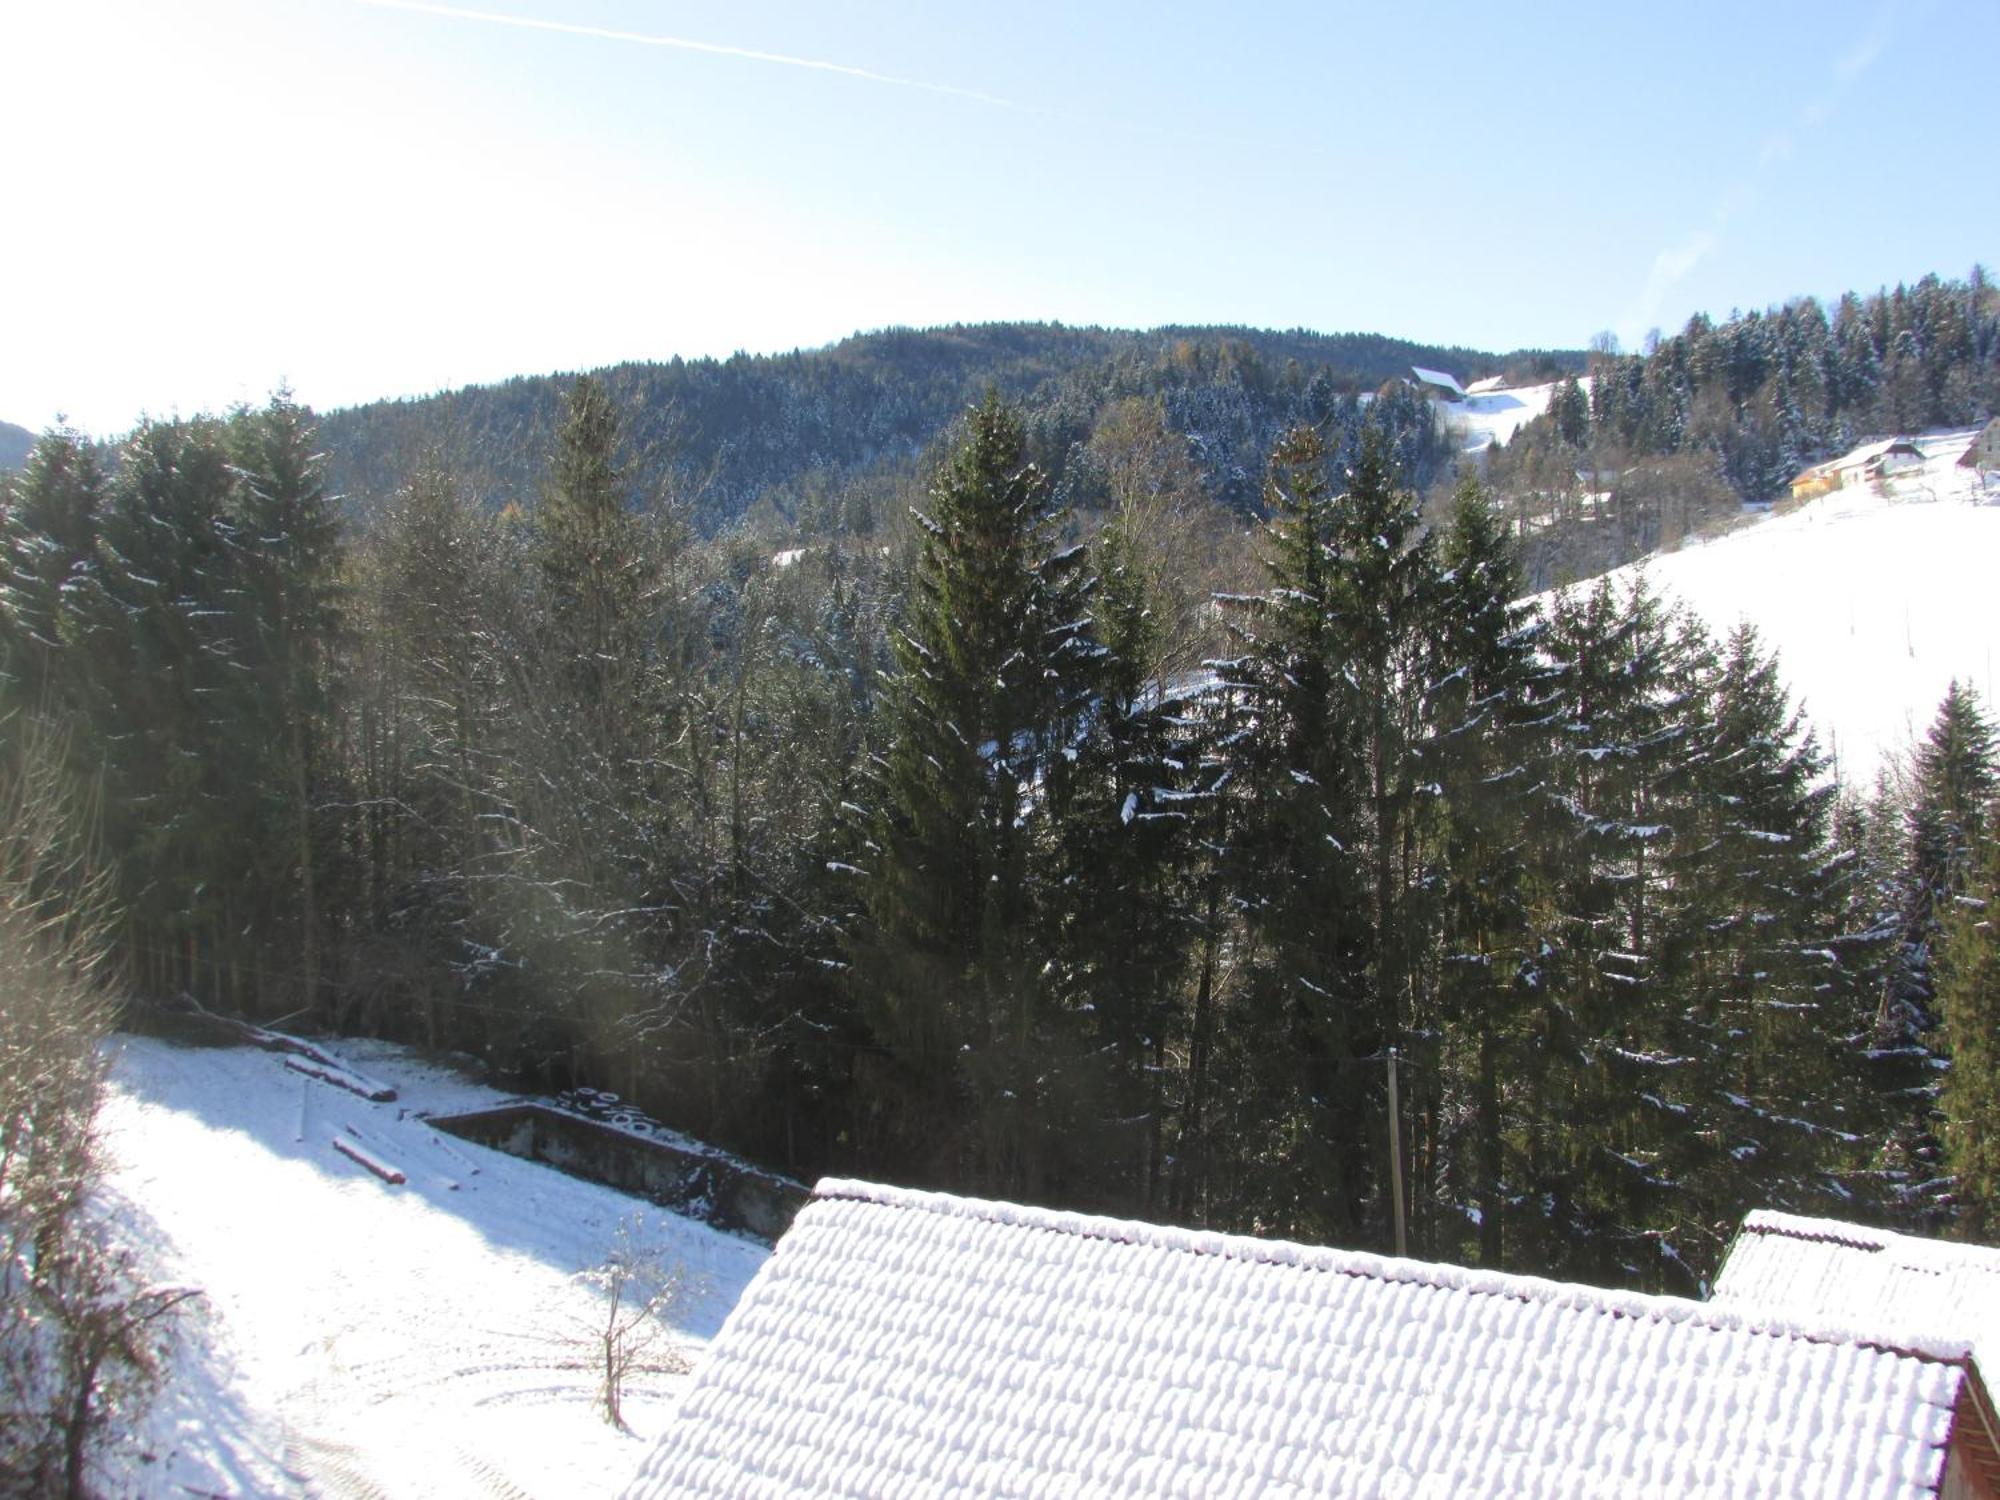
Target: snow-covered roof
1867	453
1490	383
917	1344
1438	378
1898	1284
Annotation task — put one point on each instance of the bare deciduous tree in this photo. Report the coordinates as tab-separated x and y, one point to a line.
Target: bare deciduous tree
640	1289
81	1336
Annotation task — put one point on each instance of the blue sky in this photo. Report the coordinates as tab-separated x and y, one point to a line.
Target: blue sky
386	197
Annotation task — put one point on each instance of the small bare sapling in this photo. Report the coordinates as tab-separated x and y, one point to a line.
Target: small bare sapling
640	1291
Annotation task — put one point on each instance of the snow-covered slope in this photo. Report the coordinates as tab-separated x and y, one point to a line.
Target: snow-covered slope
1495	416
1875	598
361	1339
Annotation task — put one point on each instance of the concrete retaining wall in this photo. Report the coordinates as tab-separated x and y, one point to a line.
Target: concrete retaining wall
728	1194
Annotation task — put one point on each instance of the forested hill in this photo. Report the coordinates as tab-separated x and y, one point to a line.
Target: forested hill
723	433
15	443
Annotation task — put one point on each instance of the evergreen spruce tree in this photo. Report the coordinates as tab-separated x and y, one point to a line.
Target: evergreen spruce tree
1952	783
993	670
180	620
426	696
168	693
1382	602
598	574
1307	1105
1955	776
1123	933
1764	1108
1597	1113
49	516
1203	1177
1487	753
613	835
1969	997
1569	411
289	558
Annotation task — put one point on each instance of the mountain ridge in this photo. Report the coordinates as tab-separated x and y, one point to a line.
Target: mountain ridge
15	444
728	432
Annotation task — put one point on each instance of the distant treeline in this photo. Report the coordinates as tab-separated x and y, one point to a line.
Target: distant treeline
727	434
981	848
1761	396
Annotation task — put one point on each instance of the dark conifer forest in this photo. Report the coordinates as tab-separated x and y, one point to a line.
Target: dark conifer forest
769	437
1085	768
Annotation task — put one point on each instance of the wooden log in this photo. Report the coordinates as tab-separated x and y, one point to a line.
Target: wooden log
298	1046
425	1174
354	1151
340	1078
209	1026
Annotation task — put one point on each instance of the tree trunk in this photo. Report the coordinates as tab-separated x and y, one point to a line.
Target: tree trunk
1193	1150
77	1429
1487	1101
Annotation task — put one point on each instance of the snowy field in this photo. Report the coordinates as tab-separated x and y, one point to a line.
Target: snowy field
362	1339
1875	598
1495	416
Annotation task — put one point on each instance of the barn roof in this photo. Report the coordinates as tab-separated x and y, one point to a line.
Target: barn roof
1438	378
1814	1268
1867	453
1970	459
921	1345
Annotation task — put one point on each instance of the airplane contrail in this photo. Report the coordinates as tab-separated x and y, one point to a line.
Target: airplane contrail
687	44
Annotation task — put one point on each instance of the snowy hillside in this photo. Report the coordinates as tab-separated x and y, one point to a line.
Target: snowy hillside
361	1339
1875	598
1495	416
15	442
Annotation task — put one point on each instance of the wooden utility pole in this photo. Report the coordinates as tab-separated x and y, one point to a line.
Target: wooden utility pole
1396	1155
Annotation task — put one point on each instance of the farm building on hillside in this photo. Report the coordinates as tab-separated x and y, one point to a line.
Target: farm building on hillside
1487	386
1984	454
1820	479
1878	460
1869	462
1437	383
917	1344
1899	457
